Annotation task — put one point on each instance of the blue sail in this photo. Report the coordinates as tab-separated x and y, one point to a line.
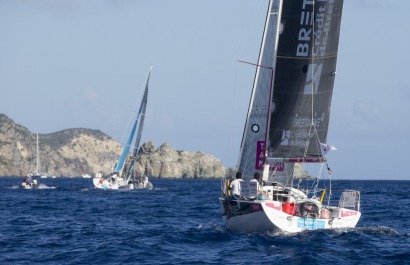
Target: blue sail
123	156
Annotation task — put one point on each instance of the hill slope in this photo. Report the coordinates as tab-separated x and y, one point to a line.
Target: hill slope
73	152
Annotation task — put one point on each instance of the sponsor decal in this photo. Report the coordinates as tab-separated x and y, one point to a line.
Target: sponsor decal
311	223
274	206
314	27
295	138
345	213
298	136
260	154
313	37
313	79
260	158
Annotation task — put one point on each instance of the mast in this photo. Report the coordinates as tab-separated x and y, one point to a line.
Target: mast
38	158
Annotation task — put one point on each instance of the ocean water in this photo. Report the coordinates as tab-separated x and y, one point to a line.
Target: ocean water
67	221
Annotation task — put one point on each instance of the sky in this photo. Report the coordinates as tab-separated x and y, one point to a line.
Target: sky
83	64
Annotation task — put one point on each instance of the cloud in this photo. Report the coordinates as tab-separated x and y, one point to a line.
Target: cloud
363	111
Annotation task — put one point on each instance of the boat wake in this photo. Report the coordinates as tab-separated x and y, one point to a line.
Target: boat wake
160	188
42	186
374	230
378	230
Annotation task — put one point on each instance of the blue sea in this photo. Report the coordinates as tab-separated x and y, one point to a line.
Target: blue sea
67	221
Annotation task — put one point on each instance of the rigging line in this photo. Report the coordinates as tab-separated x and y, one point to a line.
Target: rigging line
312	86
255	64
312	61
319	151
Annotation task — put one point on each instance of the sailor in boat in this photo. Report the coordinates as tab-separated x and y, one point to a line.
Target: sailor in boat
29	180
256	178
146	184
235	186
114	178
233	192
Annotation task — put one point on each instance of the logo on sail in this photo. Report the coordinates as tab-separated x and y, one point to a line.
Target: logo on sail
285	137
313	79
261	154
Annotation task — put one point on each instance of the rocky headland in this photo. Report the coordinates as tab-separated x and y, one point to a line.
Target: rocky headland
74	152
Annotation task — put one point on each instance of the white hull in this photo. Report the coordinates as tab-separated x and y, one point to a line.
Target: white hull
26	186
269	216
107	184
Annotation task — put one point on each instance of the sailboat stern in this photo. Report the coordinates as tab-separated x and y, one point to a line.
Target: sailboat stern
245	216
321	218
275	216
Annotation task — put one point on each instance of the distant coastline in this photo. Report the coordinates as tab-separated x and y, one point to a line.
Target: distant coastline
78	151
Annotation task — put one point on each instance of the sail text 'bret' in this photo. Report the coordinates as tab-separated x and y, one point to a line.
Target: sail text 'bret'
321	27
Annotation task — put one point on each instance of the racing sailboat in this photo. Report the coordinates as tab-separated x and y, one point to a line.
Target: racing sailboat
124	175
287	124
30	181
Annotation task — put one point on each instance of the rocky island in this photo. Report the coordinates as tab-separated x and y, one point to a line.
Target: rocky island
74	152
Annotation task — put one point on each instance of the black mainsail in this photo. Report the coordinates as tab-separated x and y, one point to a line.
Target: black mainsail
289	111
